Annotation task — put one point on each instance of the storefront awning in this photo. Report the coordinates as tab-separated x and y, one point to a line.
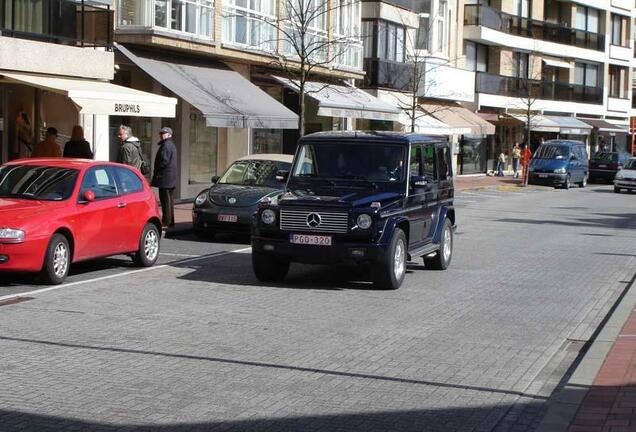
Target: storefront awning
557	63
557	124
429	125
99	97
343	101
459	117
604	126
224	97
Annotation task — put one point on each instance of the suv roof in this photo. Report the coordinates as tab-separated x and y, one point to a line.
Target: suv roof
564	141
374	137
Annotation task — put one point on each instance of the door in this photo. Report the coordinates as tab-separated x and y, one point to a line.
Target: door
423	187
100	221
133	200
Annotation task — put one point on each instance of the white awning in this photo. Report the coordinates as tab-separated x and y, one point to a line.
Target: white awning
343	101
558	63
429	125
99	97
558	124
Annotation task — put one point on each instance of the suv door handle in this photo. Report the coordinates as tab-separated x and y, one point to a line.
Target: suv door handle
121	205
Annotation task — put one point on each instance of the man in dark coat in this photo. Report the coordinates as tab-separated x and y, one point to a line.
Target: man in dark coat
165	175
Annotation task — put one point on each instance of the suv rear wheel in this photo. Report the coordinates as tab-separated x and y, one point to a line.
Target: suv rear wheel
268	268
442	258
389	273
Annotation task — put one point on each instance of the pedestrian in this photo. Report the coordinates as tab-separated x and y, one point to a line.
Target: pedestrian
22	147
501	162
516	157
77	147
526	155
49	146
130	149
165	175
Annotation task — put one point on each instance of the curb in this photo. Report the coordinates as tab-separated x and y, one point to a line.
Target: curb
566	402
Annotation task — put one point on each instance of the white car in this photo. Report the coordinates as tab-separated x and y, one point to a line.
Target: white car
626	177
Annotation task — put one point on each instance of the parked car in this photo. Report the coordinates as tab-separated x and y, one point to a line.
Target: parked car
559	163
626	177
55	212
228	205
605	165
368	199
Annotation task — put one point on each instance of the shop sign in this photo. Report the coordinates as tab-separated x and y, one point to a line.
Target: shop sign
127	108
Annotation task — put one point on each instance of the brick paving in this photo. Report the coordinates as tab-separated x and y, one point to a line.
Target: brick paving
610	405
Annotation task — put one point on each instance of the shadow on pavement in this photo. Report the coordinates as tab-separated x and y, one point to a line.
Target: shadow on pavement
614	221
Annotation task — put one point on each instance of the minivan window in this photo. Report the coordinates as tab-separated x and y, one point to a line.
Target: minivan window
553	151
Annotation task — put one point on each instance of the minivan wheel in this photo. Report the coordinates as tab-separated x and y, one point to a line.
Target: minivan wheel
442	259
583	182
57	260
389	273
268	268
567	185
148	252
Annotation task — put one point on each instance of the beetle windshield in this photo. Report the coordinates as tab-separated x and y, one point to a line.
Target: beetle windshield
375	163
606	157
254	173
44	183
552	151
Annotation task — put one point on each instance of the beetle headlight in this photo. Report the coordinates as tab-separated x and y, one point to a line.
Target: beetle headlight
560	170
268	216
10	235
364	221
201	198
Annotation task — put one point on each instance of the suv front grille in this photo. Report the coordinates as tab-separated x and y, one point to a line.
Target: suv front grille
299	220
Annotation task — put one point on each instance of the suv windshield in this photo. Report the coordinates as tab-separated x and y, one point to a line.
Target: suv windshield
631	164
374	163
254	173
552	151
606	157
37	182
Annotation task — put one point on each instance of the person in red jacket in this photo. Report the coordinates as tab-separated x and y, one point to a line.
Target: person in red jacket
526	155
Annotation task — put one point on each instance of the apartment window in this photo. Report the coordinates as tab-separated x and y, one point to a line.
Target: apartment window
189	16
389	40
586	19
367	38
619	30
520	63
522	8
476	57
423	33
617	82
441	28
247	22
586	74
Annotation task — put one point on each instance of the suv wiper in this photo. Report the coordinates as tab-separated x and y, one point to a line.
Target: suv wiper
305	176
358	178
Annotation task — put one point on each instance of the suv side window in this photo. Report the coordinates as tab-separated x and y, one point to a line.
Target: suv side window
128	181
428	161
442	163
101	181
415	161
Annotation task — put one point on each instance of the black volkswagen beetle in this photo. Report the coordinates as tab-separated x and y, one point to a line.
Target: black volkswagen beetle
228	205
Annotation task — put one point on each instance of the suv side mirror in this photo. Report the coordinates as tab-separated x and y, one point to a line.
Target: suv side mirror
419	181
215	179
282	175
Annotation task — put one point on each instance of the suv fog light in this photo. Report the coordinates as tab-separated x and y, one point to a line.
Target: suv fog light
268	216
268	247
364	221
358	253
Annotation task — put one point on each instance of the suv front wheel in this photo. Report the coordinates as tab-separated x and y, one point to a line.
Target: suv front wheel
389	273
442	258
268	268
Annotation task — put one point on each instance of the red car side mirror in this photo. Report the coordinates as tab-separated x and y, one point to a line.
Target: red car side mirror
89	196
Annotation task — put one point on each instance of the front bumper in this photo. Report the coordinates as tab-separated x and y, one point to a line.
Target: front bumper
207	219
546	178
602	174
338	252
23	257
625	184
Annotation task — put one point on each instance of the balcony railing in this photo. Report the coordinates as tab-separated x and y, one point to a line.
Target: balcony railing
387	74
489	17
535	89
81	23
412	5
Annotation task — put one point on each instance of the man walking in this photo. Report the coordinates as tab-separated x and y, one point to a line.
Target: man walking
130	149
165	175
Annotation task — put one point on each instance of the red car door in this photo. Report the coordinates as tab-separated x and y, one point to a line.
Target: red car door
137	202
99	222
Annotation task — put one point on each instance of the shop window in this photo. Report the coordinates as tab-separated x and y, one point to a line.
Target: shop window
267	141
202	156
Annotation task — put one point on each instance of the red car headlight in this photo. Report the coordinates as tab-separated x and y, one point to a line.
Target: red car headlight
10	235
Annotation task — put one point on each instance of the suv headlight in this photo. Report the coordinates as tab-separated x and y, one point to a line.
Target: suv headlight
619	176
268	216
10	235
364	221
560	171
201	198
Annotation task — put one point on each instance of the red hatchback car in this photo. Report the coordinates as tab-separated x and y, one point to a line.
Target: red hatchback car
55	212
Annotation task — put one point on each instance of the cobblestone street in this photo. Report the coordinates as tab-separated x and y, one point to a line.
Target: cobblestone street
197	343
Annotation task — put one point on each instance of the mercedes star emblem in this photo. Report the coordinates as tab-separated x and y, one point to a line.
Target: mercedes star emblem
313	220
231	200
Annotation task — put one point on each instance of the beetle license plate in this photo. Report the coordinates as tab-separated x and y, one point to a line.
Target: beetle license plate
543	175
227	218
602	166
315	240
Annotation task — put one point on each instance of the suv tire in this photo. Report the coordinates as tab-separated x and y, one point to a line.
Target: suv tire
617	190
57	260
268	268
442	258
389	273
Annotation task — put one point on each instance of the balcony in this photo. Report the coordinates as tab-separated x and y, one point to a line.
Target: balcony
478	15
535	89
411	5
80	23
387	74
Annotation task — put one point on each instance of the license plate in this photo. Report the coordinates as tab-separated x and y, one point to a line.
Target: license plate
543	175
315	240
227	218
602	166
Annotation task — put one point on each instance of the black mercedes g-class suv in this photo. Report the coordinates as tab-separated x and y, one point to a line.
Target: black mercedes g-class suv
380	198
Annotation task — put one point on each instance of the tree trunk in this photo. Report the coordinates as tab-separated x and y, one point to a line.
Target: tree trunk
301	100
